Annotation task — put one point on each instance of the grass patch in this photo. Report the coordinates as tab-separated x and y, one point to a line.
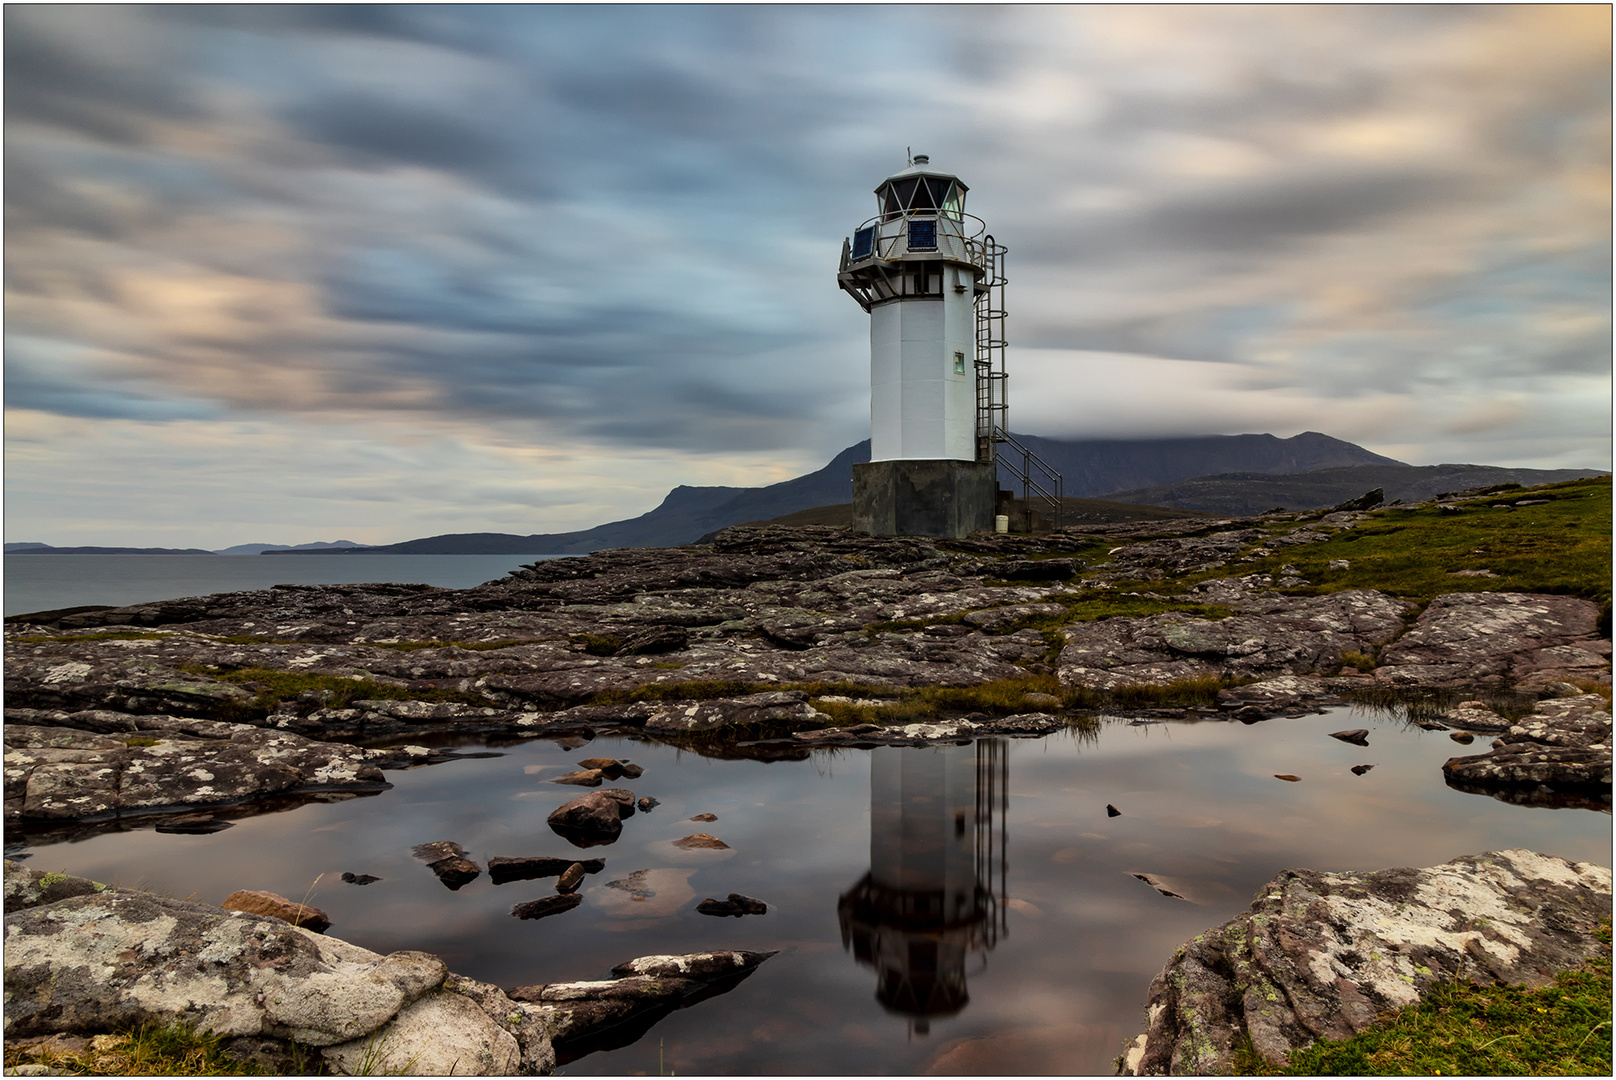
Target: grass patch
1561	546
149	1050
597	644
1461	1029
337	691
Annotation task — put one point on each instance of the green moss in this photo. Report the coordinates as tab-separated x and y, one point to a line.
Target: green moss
597	644
140	741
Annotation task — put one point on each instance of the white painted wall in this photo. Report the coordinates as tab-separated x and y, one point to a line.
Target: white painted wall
920	407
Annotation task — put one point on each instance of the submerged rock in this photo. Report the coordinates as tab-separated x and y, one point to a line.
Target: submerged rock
448	861
550	905
1324	955
736	905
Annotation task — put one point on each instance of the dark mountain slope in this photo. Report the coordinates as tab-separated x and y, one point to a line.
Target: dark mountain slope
1243	493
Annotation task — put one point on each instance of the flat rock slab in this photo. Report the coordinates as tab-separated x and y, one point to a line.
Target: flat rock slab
1285	636
789	709
68	773
1465	639
1022	724
1322	955
502	869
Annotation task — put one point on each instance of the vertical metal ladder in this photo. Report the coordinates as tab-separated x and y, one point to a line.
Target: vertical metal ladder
992	405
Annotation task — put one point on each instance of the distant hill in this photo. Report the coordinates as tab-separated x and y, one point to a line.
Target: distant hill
259	549
1244	493
1092	467
46	549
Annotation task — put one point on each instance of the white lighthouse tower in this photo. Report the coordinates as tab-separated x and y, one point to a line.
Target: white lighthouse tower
923	268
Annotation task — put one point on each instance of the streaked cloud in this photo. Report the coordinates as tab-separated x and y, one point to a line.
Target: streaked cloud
607	235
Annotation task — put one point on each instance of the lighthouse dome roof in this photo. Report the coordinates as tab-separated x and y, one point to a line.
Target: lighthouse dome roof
922	166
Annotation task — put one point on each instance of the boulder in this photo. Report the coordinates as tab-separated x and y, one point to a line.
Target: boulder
441	1034
596	818
257	902
1323	955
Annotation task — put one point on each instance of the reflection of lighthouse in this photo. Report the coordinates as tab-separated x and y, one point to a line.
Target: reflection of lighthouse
936	887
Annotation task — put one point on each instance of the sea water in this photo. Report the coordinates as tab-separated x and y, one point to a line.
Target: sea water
49	582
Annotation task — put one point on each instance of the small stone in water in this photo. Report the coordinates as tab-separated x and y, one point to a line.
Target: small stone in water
1462	737
705	817
570	879
1111	811
1355	735
358	879
645	804
550	905
1359	770
701	840
1287	776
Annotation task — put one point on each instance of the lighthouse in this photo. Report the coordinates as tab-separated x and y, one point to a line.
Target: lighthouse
927	273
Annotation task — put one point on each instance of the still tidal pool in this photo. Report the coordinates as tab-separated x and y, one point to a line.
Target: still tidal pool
936	910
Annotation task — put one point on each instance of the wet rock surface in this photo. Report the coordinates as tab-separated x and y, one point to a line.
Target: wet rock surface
1562	747
84	959
1322	955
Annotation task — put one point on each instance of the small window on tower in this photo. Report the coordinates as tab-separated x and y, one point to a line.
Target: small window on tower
959	363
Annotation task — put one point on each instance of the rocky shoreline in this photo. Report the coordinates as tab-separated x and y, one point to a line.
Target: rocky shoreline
767	643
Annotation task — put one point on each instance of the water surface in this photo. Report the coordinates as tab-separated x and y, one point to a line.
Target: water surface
49	582
955	910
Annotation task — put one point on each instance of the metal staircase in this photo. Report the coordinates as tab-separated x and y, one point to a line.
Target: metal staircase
1037	479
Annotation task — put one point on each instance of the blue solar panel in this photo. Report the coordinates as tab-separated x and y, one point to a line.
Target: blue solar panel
922	234
863	241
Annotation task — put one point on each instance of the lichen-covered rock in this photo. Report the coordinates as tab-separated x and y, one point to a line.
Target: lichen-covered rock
920	734
787	709
1277	636
105	960
1465	639
1321	955
1563	745
60	772
87	959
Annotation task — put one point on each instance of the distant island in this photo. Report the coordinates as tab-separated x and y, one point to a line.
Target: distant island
1229	475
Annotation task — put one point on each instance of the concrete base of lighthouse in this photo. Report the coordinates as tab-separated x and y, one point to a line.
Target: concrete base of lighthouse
924	498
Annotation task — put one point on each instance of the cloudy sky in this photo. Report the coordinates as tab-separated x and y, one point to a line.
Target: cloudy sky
371	272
